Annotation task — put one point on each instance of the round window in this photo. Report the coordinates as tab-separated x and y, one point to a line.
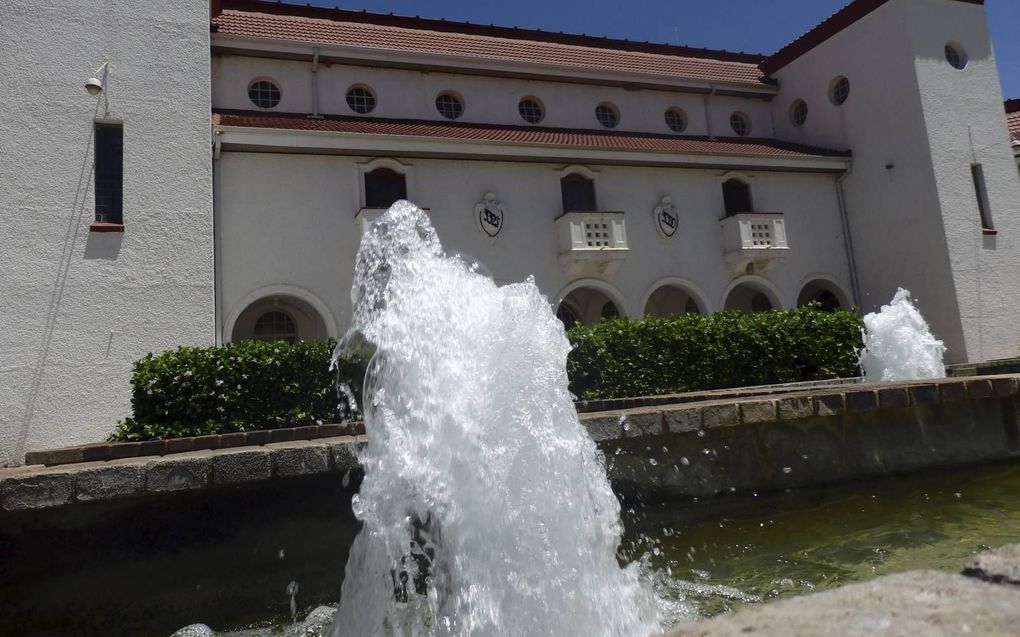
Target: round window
449	105
531	110
955	55
264	94
740	124
798	112
676	120
607	115
839	90
361	100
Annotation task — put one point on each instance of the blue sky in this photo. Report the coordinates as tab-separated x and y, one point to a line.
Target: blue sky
756	26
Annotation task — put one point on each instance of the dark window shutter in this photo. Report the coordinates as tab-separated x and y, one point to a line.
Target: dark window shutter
383	187
736	196
109	168
578	193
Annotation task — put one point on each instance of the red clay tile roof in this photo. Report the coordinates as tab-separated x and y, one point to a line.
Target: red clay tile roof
607	140
826	29
1013	118
251	18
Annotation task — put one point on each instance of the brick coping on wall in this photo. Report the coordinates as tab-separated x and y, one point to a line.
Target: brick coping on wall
193	463
850	391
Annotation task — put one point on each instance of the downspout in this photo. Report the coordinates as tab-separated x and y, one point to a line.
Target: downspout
708	119
848	242
315	84
217	253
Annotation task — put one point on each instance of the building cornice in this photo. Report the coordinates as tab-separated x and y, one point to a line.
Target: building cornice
258	139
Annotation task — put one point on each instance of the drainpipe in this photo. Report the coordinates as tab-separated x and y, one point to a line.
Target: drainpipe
708	119
315	85
217	253
848	242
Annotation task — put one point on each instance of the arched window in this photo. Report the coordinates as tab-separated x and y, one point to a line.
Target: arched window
736	196
383	187
578	193
275	326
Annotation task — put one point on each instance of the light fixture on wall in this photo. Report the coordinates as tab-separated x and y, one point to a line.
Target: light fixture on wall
96	85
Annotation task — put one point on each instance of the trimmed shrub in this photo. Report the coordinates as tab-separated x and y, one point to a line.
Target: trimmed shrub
252	385
242	386
617	358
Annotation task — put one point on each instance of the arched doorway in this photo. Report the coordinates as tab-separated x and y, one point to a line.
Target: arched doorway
827	295
279	318
587	305
671	299
751	297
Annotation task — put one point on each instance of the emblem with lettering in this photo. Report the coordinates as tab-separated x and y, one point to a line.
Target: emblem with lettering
489	214
667	216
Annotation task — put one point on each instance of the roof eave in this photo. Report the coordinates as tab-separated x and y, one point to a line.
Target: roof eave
343	54
338	142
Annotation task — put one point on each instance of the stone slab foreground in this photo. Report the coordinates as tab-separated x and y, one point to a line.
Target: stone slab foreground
911	604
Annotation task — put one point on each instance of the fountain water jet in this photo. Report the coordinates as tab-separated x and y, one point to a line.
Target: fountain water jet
898	345
486	507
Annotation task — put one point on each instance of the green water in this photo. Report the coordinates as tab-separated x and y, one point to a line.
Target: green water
769	547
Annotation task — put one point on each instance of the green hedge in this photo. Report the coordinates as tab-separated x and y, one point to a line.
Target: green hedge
617	358
253	385
242	386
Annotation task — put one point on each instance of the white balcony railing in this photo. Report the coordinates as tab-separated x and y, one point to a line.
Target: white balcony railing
592	243
755	239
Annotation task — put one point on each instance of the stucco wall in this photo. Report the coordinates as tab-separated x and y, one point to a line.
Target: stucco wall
412	94
78	307
892	200
965	124
288	220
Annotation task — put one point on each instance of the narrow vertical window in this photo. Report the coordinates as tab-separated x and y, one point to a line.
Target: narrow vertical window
578	193
977	173
384	187
109	169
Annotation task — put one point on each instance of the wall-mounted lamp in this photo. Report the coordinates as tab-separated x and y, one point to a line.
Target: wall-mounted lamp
94	85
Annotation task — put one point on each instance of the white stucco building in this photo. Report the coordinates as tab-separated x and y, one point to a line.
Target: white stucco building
628	178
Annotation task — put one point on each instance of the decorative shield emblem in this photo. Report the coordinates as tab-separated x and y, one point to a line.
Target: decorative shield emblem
667	217
490	215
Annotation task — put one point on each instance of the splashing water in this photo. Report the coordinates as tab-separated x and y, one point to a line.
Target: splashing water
486	507
898	344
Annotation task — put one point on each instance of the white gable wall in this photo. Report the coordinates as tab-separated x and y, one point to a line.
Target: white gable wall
892	199
78	307
965	123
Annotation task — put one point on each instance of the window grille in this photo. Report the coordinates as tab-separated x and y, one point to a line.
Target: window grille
676	120
361	100
275	326
799	112
740	124
761	235
607	115
264	94
839	91
449	106
531	110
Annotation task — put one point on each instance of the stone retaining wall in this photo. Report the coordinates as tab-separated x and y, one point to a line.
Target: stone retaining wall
765	439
